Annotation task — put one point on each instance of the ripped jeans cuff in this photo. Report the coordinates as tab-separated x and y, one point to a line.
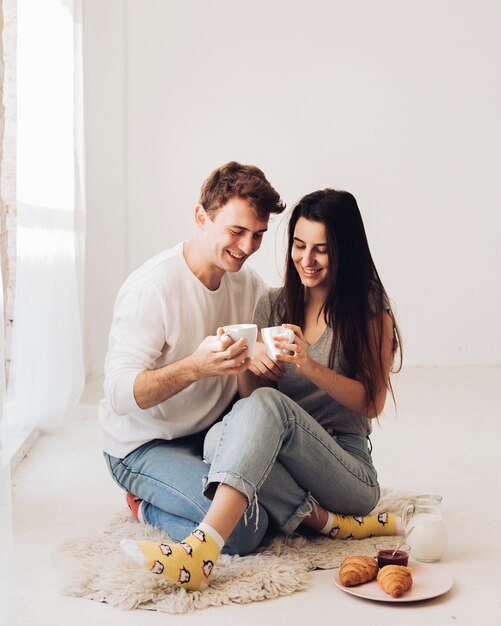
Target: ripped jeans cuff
237	482
307	506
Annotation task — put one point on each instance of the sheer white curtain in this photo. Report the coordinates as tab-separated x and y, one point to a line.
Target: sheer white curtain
6	552
47	370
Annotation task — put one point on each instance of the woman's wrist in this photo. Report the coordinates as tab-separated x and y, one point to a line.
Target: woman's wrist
323	377
333	383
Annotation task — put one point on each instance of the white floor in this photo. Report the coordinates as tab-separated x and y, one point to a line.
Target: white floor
444	439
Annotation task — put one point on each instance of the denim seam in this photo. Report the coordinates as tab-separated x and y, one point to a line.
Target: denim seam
217	453
275	457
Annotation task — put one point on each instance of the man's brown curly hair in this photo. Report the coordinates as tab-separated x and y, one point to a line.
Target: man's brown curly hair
234	180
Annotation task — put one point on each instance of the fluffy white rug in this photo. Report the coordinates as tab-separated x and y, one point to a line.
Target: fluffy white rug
95	568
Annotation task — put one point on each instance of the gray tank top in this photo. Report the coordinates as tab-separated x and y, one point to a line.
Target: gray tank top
332	415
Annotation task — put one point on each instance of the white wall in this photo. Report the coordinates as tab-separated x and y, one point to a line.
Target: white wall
395	101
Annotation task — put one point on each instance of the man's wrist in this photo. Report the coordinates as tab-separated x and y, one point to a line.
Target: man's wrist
193	371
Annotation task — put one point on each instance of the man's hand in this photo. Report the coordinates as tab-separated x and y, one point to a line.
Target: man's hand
215	356
219	356
264	367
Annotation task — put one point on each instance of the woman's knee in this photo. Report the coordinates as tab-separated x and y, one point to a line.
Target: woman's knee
267	395
265	403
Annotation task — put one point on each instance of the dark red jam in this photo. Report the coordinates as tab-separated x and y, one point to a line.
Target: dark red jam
386	557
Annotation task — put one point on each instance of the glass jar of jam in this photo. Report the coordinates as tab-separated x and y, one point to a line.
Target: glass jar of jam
390	556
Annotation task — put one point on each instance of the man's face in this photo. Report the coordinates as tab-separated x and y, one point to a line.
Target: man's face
234	233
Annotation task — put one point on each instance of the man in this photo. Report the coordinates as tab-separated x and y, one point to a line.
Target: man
168	378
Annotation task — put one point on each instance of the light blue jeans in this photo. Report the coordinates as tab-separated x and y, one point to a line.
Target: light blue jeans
275	453
168	476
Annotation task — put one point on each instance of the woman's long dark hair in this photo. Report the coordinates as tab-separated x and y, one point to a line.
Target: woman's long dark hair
356	297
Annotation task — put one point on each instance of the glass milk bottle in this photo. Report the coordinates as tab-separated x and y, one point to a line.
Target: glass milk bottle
428	540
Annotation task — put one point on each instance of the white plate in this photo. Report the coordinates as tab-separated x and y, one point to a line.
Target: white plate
429	581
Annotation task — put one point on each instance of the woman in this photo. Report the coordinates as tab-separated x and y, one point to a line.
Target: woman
299	439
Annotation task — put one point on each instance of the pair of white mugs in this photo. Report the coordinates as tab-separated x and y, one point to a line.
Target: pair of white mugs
249	333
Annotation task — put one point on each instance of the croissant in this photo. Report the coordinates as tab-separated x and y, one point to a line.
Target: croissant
355	570
395	579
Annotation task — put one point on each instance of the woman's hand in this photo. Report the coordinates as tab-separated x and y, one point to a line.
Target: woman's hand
264	367
301	358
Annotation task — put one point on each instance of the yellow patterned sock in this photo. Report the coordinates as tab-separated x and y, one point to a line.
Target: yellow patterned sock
188	564
357	527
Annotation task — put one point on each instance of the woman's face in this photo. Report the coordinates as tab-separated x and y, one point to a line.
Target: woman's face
309	253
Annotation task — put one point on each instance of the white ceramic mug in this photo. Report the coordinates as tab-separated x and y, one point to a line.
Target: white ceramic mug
272	331
247	331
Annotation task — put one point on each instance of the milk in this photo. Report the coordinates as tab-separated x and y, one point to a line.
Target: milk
428	540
